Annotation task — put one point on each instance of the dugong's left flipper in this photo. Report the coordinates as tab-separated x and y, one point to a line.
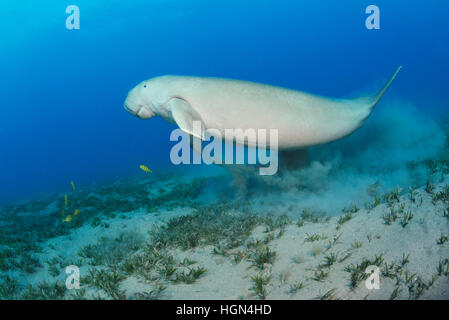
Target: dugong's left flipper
187	118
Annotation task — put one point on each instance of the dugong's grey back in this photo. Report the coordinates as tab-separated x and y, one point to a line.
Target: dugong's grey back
302	119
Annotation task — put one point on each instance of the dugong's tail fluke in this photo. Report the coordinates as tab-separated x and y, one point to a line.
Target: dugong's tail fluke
384	89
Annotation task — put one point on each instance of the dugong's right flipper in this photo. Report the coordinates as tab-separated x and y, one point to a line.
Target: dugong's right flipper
187	118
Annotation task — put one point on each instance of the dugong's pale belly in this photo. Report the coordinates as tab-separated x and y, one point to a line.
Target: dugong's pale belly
301	119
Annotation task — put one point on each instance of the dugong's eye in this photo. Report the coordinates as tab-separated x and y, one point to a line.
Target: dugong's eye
144	85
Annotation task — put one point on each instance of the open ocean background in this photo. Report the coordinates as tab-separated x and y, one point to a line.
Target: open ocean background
62	91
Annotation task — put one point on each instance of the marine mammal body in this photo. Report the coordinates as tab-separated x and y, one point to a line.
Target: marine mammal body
302	119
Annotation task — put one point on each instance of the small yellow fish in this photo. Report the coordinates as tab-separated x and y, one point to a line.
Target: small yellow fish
67	219
76	213
73	185
145	168
66	201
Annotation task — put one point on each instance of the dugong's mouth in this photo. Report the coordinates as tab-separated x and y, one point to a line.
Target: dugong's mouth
139	108
141	112
138	112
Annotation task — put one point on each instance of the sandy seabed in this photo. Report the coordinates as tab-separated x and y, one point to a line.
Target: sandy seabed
205	234
314	256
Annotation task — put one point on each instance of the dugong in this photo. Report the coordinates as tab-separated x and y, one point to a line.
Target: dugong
302	119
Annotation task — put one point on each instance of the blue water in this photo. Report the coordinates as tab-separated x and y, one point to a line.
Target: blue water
62	91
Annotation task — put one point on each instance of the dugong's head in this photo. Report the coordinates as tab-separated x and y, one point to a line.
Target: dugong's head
139	102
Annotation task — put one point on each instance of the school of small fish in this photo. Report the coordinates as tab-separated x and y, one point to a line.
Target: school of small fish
69	217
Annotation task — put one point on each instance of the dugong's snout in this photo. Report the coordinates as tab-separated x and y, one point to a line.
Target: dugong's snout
139	110
127	108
